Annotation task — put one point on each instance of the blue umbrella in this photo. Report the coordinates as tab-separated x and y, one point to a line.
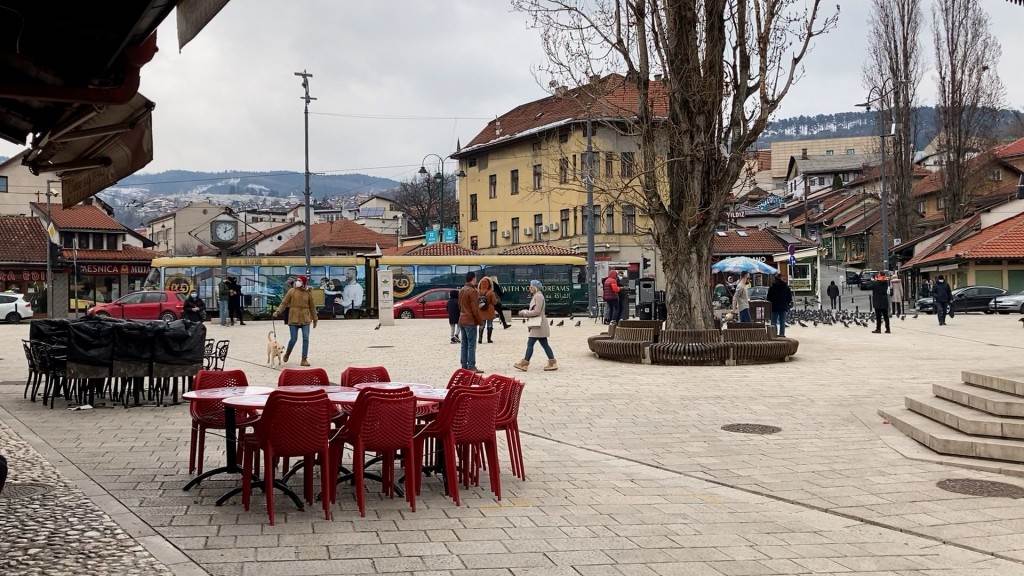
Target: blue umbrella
740	264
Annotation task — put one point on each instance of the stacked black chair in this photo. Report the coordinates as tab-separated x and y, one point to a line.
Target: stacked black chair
178	354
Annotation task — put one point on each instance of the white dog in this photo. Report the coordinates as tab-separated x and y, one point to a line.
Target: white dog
274	351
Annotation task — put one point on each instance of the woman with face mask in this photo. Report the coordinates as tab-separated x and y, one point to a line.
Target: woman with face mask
195	308
301	309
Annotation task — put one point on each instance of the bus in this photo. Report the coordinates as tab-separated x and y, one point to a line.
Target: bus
342	285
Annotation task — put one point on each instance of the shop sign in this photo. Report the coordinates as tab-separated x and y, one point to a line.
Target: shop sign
113	269
22	276
179	284
403	283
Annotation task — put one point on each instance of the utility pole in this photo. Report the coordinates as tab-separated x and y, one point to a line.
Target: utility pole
884	197
591	257
309	221
49	251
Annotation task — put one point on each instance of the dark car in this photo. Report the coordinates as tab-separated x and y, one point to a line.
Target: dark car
145	305
867	279
966	299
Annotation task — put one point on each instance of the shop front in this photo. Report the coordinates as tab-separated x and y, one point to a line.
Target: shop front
93	283
29	280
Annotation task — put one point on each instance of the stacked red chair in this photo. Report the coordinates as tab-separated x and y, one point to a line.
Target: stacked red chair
303	377
296	424
209	414
510	395
463	377
382	421
361	375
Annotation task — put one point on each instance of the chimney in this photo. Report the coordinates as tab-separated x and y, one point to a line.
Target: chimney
949	247
561	90
658	77
803	153
497	127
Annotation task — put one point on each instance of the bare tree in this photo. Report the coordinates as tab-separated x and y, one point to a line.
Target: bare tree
725	67
970	93
420	199
893	68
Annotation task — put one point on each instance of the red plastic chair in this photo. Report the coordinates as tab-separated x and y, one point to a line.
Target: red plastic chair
509	396
303	377
382	421
466	419
463	377
293	424
359	375
209	414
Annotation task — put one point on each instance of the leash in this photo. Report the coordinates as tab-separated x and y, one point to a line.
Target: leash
273	326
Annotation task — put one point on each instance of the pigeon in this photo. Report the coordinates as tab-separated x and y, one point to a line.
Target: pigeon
378	327
1021	320
561	323
801	323
578	322
914	316
903	317
552	323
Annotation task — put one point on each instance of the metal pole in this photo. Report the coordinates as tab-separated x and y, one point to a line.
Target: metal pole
885	213
49	259
74	257
440	170
309	221
591	257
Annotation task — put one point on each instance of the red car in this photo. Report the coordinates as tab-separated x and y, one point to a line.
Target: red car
146	305
430	304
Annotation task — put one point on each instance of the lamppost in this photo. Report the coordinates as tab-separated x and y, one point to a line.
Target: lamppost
439	176
49	249
309	222
879	94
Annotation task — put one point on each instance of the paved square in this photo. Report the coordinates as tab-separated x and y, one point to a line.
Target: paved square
628	470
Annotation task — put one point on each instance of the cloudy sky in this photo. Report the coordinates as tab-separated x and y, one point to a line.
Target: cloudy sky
398	80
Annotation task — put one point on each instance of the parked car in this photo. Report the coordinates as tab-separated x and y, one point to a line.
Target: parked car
1008	303
758	293
430	304
145	305
867	279
14	307
966	299
852	278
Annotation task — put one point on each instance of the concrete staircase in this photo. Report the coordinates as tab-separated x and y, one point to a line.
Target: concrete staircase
982	417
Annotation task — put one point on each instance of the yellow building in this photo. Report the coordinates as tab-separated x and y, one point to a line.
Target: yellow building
525	177
784	150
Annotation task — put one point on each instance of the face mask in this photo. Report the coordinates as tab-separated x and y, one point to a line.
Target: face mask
298	284
193	295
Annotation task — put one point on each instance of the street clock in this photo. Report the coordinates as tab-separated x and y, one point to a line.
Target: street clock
224	232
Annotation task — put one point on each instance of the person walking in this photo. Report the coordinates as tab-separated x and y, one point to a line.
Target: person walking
623	298
453	315
195	308
896	293
499	308
235	301
781	299
880	302
470	319
741	299
488	302
926	289
223	296
298	302
943	297
539	330
833	293
610	295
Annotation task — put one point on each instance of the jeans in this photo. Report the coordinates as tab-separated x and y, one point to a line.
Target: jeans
611	310
467	356
543	344
294	330
745	315
222	311
880	315
779	319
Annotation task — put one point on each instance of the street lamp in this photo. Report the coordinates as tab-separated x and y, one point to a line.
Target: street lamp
439	176
879	94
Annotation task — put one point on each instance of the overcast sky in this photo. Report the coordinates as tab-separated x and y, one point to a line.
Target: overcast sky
230	100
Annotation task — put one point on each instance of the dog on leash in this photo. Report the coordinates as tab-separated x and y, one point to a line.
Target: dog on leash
274	351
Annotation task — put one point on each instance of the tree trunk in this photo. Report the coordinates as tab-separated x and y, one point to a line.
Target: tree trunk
687	269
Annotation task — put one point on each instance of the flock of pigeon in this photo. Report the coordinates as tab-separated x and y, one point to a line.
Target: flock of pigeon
815	317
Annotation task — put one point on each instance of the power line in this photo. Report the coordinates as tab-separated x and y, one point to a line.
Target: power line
397	116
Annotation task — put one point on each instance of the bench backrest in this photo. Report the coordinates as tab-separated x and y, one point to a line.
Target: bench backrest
690	336
627	334
738	325
745	335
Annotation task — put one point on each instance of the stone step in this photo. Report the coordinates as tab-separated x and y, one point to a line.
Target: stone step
946	440
1008	383
984	399
965	419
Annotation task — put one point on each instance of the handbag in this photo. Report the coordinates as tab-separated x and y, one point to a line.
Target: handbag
534	321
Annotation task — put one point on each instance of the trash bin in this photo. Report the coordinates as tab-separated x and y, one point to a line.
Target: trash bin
760	311
645	311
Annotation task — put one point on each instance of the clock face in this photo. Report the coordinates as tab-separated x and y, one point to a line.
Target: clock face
224	231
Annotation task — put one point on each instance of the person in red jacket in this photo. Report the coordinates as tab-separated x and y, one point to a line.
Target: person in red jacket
610	294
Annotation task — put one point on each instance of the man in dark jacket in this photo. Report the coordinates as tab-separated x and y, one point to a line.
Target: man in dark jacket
781	299
195	308
942	296
833	293
235	301
880	302
453	314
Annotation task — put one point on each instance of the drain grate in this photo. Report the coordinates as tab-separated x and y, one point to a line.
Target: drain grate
751	428
14	490
380	346
972	487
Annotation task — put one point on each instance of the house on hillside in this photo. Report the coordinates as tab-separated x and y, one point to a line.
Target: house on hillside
809	174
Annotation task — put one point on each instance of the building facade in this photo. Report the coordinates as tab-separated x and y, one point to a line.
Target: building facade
783	150
19	188
171	232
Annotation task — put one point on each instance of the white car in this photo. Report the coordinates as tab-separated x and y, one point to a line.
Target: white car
14	307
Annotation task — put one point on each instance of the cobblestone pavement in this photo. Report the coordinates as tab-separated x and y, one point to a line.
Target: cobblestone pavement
628	470
60	531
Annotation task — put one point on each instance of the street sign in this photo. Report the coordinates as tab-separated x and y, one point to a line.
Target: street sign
449	235
431	237
792	260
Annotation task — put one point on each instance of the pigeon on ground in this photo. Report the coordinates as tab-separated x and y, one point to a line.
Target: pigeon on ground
914	316
561	322
1021	320
801	323
378	327
578	322
552	323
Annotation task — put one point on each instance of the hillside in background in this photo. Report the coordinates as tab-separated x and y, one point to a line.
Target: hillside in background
274	184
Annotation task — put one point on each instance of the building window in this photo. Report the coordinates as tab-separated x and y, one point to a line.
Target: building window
609	164
575	221
563	136
803	152
587	219
514	182
472	162
575	173
474	244
563	170
483	162
609	220
472	207
494	233
629	219
920	208
515	230
3	184
563	216
592	164
536	146
626	167
996	175
850	151
536	176
940	203
492	186
1020	187
67	239
829	152
538	221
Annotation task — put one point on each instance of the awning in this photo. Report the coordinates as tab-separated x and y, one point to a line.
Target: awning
193	16
811	252
941	268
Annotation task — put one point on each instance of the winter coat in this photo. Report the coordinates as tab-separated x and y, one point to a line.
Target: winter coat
780	296
197	315
880	295
833	291
897	289
942	293
469	306
537	308
299	304
223	290
741	300
610	291
487	294
453	307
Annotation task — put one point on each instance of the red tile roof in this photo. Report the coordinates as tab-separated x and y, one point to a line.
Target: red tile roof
24	239
754	242
125	254
338	234
610	97
1002	241
79	217
1011	150
874	216
441	249
946	234
538	250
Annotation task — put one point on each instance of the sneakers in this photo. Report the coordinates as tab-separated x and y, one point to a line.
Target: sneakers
522	365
